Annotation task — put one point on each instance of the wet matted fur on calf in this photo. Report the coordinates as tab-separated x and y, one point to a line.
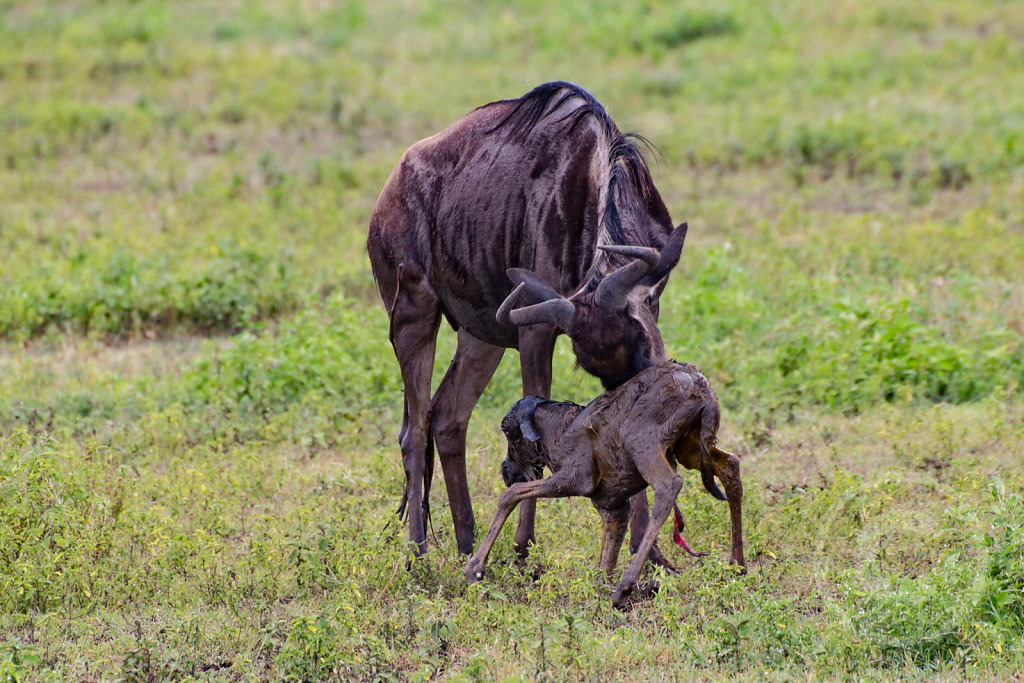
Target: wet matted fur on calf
625	440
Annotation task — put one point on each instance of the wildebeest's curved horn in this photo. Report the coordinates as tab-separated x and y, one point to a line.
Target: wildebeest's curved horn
506	306
550	306
669	255
612	292
558	312
648	255
651	267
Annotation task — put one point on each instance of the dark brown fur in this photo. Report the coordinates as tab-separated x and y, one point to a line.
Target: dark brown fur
536	184
623	441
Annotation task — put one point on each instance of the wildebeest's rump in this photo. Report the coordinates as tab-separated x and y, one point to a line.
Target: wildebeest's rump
626	439
543	191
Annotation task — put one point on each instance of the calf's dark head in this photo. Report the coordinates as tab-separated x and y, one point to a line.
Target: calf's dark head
612	320
523	461
531	427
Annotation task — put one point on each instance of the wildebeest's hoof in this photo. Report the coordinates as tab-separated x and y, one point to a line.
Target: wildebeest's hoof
417	564
624	597
530	571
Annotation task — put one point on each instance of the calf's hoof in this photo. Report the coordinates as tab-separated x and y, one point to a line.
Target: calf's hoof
626	596
649	590
620	598
474	571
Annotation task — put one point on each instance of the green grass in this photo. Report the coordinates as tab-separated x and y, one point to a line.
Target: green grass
199	405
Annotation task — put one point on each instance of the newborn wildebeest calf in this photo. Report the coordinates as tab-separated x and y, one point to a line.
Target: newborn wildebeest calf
626	439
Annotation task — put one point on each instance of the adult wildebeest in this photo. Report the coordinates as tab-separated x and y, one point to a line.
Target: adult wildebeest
543	190
623	441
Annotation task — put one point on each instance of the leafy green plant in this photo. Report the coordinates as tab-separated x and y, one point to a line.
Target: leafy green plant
735	630
999	591
117	293
17	659
308	653
322	352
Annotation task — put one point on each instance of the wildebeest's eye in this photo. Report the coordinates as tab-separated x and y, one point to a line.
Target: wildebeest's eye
653	305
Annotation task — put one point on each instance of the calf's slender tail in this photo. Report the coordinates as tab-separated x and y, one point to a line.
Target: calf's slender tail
707	439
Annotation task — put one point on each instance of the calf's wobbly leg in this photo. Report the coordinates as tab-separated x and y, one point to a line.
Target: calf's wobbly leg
666	484
559	485
615	523
727	469
638	525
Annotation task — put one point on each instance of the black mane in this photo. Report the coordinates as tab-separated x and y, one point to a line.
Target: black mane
630	180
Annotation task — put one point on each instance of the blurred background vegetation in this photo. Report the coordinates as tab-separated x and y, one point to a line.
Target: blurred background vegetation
199	405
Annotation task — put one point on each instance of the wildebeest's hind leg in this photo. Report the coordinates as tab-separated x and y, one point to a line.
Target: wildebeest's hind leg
415	317
467	377
615	523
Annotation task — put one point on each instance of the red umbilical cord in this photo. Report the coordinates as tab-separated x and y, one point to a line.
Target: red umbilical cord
677	535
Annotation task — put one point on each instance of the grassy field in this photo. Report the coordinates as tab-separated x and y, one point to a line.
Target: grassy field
199	405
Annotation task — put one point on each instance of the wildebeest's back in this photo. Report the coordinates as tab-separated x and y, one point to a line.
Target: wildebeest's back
512	204
404	217
483	196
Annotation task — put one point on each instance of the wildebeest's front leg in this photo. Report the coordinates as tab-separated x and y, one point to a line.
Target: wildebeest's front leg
415	318
536	347
727	469
467	377
666	484
616	522
563	483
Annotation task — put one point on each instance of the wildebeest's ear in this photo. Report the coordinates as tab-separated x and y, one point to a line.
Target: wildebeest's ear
670	254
